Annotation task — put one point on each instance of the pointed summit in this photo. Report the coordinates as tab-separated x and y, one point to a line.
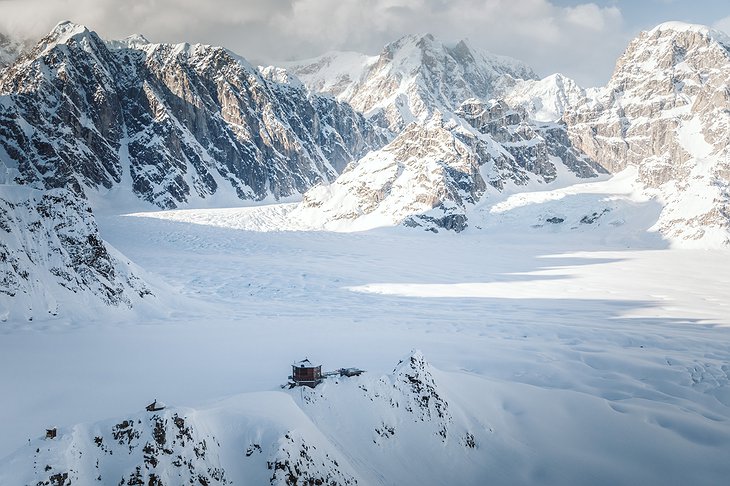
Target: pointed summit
66	32
412	78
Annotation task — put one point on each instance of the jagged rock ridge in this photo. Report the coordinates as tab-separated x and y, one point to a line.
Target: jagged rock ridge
177	123
411	78
341	433
454	146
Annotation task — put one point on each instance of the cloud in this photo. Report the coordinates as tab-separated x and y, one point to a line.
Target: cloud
582	41
591	16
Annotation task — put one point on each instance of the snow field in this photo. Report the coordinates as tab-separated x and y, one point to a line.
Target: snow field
580	359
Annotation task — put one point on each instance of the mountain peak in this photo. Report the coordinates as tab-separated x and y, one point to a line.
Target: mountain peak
675	28
67	29
413	43
136	39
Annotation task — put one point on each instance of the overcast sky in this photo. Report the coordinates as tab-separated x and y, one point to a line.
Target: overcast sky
577	38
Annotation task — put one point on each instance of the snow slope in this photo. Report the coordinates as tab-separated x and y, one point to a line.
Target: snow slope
54	261
567	353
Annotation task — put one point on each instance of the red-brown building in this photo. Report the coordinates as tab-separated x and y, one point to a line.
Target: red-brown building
304	373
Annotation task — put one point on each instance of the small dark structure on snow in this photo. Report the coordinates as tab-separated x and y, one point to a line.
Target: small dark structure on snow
51	433
304	373
155	406
350	371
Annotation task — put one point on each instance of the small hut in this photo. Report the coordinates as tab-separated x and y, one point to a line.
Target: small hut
51	433
155	406
305	373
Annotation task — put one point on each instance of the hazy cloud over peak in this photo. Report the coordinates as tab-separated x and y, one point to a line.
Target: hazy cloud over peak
580	39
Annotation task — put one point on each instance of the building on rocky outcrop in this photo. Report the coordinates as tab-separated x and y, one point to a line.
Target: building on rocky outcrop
304	373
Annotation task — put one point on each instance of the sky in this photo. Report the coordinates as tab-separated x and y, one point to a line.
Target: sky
577	38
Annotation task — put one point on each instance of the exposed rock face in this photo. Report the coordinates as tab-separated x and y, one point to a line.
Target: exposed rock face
534	147
411	78
666	110
176	122
451	144
50	249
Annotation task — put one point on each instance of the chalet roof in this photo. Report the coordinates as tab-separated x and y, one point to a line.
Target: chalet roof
156	405
305	363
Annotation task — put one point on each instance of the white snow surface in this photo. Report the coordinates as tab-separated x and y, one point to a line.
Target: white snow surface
547	99
564	336
677	26
572	351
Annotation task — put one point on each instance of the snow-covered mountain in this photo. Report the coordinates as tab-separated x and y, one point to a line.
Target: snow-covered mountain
52	257
173	124
129	120
411	78
433	172
454	143
545	100
666	111
346	431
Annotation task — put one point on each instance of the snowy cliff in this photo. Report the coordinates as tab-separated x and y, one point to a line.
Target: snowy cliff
53	258
172	124
346	431
666	111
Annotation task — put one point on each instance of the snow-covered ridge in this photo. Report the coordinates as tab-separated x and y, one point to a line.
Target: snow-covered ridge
345	431
336	73
546	100
173	124
411	78
673	27
54	261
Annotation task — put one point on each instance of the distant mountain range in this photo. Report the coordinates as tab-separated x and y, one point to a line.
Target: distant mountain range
418	135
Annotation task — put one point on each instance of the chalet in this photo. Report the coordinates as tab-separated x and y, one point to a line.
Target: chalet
51	433
305	373
155	406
